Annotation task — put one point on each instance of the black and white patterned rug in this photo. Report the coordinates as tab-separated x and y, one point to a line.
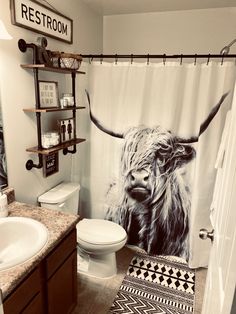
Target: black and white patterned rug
155	285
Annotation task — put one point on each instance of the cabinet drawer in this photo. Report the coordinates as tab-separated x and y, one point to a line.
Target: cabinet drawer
60	253
23	294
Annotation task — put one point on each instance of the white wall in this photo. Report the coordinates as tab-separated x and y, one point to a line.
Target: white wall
176	32
17	92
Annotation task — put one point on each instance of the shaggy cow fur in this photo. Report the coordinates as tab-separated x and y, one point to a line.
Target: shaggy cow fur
154	204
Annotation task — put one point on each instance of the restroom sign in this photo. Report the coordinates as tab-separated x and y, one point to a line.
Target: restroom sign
37	17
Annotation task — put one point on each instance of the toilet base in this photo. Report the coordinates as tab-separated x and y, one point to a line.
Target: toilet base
82	262
99	266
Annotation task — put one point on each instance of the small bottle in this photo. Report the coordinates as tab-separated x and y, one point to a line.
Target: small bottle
3	205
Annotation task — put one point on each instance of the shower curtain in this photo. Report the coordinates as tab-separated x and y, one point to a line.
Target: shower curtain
148	169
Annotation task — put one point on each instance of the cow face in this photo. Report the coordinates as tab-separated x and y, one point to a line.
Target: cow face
149	158
150	155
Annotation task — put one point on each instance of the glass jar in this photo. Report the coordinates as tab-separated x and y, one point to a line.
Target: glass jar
68	100
50	139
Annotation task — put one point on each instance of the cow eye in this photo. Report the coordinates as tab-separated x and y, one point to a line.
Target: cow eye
146	178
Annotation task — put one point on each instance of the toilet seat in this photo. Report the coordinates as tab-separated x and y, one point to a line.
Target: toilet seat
100	232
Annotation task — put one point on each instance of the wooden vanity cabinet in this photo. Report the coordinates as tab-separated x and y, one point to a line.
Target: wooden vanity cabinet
52	286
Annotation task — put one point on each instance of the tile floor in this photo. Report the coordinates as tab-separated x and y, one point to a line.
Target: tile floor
95	296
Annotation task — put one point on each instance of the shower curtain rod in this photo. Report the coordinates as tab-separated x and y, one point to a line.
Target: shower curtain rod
159	56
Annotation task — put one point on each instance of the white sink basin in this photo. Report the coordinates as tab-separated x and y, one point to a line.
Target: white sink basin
20	239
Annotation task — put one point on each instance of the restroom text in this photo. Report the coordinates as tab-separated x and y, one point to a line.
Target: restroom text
30	14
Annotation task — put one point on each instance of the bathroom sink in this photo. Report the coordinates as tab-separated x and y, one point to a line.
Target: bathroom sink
20	239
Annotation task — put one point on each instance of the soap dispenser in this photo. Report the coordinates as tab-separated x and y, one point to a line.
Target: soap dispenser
3	205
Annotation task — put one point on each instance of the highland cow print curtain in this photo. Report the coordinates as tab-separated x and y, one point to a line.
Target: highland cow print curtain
154	131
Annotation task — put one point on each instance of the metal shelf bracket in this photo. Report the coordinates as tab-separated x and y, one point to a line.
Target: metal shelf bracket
66	150
30	164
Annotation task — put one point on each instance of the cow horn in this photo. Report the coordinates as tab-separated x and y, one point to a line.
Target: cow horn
205	124
98	124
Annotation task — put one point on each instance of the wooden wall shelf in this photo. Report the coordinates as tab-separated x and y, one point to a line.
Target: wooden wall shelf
47	151
51	154
52	109
42	67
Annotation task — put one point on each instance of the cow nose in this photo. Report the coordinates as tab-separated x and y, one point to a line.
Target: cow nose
139	177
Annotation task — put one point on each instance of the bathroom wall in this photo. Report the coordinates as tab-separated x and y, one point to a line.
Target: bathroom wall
17	92
193	31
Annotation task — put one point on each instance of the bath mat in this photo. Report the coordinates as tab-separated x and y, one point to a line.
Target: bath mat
155	285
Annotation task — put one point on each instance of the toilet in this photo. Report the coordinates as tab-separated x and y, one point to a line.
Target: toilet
98	239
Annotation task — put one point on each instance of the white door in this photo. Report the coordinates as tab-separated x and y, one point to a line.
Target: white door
221	276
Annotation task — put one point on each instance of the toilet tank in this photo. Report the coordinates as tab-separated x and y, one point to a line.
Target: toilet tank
63	197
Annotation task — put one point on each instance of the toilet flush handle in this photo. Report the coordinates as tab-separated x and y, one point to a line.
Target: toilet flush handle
62	206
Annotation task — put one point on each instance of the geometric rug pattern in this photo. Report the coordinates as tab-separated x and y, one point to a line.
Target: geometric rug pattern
155	284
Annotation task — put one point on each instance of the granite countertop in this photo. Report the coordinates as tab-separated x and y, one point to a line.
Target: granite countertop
58	223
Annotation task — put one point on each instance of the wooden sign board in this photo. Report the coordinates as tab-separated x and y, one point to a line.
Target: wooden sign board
37	17
50	164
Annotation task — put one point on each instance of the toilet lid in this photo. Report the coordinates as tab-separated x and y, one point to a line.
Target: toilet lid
59	193
99	231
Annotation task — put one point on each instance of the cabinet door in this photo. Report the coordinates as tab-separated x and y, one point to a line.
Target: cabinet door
35	306
62	287
18	300
64	249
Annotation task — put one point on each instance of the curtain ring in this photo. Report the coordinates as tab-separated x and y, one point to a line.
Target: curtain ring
116	59
148	59
101	58
181	59
90	60
222	60
164	59
195	59
131	58
208	59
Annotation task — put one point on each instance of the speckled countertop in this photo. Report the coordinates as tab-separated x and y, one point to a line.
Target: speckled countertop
58	224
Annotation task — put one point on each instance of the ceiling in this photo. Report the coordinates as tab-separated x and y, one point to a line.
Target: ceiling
112	7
